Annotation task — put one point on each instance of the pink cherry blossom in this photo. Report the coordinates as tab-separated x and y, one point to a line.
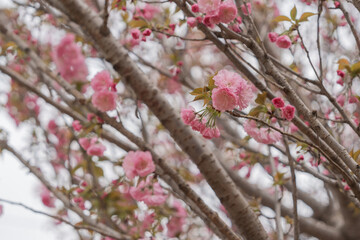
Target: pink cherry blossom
278	102
191	21
150	193
228	79
104	100
85	142
293	128
195	8
245	94
340	82
273	36
76	125
288	112
341	100
101	81
1	209
147	32
69	60
46	198
177	221
208	21
188	115
52	126
227	11
353	99
148	11
135	33
223	99
157	197
246	11
138	164
234	82
209	6
140	191
198	125
210	133
300	158
96	149
340	73
261	134
283	41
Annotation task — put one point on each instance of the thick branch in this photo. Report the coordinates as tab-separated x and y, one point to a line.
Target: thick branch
244	218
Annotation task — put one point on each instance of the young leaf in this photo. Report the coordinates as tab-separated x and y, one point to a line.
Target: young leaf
282	19
257	110
261	97
304	17
197	91
343	63
293	13
355	68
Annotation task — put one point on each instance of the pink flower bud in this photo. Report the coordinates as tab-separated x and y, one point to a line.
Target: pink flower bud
278	102
340	82
195	8
272	36
246	11
288	112
341	100
300	158
340	73
191	21
147	32
135	33
283	42
77	125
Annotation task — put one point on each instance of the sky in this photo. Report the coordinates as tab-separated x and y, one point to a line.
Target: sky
16	184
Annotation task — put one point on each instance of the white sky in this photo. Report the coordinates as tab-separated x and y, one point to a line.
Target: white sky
17	185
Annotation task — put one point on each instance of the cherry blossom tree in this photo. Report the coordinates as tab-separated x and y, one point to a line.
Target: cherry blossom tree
183	119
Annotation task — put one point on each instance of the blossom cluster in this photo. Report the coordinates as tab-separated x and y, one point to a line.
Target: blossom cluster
261	134
217	11
104	97
151	193
92	146
288	111
231	91
189	118
69	60
281	41
140	164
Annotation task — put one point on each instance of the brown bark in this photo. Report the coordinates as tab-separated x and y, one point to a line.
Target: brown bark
243	216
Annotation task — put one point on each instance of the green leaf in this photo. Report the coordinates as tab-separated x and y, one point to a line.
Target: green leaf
257	110
293	13
98	172
343	63
197	91
356	155
138	23
199	97
282	19
355	68
279	179
304	17
211	83
261	98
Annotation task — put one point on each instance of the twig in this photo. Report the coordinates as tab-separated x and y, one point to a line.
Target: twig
352	27
294	190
